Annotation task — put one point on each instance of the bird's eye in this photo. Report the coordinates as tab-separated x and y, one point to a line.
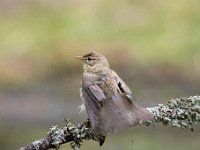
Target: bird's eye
89	59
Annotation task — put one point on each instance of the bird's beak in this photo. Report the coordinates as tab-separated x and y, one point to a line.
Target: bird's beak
79	58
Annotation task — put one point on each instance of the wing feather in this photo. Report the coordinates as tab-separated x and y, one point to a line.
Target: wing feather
124	88
97	92
93	99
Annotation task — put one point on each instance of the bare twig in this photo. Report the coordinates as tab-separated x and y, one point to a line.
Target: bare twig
181	112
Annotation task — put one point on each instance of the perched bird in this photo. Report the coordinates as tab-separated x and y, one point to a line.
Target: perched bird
108	101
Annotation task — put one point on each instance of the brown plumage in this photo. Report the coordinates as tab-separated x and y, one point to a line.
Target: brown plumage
108	100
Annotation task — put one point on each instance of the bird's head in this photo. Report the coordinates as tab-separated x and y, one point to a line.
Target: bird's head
93	60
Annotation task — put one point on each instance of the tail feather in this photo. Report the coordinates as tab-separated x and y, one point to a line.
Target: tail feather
142	114
122	114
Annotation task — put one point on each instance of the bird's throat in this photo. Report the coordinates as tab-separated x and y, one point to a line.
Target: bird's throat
96	69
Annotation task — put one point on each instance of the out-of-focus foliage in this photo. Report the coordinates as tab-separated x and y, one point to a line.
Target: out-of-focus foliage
153	45
36	35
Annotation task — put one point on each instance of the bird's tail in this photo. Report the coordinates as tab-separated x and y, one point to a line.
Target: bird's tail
141	115
121	114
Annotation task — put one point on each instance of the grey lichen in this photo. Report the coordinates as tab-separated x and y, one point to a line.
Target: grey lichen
180	112
37	144
58	136
80	132
72	133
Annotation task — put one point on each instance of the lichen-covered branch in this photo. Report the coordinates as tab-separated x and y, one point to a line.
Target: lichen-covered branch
75	134
180	112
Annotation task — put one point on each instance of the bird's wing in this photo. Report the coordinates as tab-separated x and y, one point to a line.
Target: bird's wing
93	100
95	92
124	88
121	111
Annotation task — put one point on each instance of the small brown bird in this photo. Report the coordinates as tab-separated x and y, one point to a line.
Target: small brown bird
108	100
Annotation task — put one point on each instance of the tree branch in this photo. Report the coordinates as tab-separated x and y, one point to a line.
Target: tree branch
180	112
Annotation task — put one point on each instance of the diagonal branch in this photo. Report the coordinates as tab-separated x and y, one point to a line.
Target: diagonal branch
180	112
75	134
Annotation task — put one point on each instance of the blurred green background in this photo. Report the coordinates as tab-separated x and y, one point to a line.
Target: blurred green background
153	45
